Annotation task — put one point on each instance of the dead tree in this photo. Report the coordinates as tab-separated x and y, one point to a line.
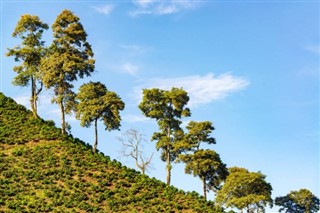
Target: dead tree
132	143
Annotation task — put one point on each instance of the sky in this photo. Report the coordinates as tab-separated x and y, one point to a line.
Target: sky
249	67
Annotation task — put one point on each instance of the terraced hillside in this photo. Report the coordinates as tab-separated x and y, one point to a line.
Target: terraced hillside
40	171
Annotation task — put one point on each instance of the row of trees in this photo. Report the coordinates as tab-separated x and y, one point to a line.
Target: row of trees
167	108
70	57
234	187
56	67
177	145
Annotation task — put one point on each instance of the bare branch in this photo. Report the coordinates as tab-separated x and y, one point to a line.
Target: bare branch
131	147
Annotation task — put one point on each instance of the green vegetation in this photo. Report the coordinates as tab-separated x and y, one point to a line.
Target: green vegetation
298	202
245	190
68	58
42	169
205	164
47	173
29	29
97	103
167	108
18	126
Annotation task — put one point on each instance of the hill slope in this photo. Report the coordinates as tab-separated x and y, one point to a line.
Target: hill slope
40	171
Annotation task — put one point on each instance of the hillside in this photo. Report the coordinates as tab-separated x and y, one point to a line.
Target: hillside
40	171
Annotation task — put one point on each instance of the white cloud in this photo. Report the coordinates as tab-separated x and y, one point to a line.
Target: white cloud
313	48
166	9
152	7
104	9
134	49
143	3
130	68
201	89
135	118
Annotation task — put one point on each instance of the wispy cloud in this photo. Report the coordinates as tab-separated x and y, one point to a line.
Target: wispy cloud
201	89
130	68
156	7
130	61
134	49
313	48
143	3
135	118
104	9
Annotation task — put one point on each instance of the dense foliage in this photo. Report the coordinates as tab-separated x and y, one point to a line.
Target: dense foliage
29	29
18	126
203	163
98	103
64	175
298	202
207	165
245	190
166	107
68	58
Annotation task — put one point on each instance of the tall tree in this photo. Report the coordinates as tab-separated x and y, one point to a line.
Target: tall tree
132	147
97	103
69	58
245	190
29	29
302	201
207	165
167	108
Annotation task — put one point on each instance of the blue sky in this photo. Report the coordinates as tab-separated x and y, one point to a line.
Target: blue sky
250	67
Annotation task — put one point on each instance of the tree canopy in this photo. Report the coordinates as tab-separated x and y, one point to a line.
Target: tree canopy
69	58
29	29
198	132
97	103
207	165
203	163
298	202
167	108
245	190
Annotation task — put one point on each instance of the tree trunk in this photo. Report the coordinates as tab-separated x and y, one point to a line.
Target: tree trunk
96	135
168	166
168	157
33	100
141	166
204	188
63	120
